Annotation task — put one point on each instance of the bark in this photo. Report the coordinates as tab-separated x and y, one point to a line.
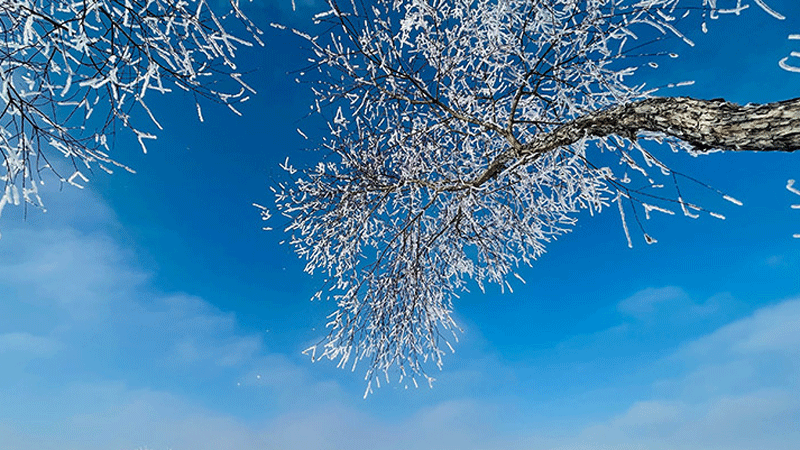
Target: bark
704	124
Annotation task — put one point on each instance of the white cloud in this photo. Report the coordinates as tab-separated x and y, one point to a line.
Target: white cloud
145	352
774	328
28	344
123	351
647	301
107	415
65	258
674	305
81	273
761	419
738	389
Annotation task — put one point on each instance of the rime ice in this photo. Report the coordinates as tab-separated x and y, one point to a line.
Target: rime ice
74	72
424	190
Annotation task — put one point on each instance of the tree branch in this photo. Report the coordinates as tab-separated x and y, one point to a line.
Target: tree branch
704	124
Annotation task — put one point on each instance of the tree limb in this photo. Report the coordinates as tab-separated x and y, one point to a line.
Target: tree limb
704	124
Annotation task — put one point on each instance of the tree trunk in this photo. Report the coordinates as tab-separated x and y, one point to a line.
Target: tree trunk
705	124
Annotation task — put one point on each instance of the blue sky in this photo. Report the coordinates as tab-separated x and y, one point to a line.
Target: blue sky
151	311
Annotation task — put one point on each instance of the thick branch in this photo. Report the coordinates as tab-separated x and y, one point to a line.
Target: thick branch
705	124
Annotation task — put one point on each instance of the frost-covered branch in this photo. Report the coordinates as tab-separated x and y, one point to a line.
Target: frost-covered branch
73	73
467	134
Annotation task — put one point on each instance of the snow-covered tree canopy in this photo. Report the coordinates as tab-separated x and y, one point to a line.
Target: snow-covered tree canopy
463	138
73	72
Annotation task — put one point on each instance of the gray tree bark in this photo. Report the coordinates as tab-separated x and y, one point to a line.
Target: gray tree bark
704	124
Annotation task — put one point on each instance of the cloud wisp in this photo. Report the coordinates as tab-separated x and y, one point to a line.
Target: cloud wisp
100	358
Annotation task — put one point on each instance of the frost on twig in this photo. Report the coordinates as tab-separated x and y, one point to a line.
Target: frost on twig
445	168
790	187
791	62
73	73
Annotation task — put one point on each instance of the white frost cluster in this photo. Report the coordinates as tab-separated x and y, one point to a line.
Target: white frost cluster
422	97
75	72
790	187
790	62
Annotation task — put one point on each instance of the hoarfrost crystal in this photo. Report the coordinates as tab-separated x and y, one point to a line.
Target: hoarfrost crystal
74	73
429	181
